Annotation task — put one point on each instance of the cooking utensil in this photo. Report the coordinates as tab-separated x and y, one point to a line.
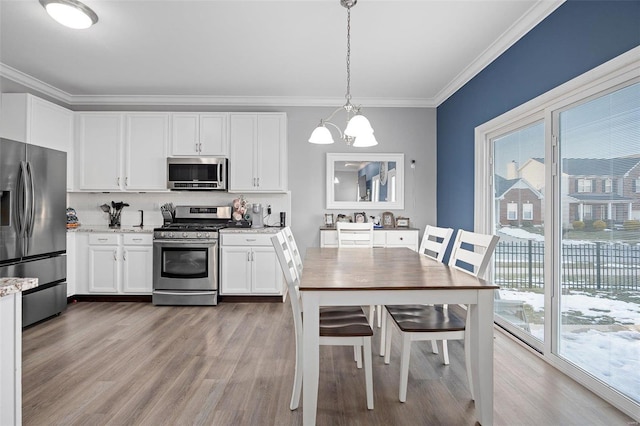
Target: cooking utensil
105	208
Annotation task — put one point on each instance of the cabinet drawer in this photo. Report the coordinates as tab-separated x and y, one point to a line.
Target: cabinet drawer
402	238
138	239
246	239
103	239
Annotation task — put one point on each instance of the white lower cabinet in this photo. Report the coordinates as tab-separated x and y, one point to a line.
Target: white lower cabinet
249	266
381	238
114	263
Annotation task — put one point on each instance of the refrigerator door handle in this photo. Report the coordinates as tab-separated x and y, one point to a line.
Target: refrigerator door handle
32	202
21	199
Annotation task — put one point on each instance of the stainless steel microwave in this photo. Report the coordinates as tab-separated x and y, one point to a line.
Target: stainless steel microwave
197	173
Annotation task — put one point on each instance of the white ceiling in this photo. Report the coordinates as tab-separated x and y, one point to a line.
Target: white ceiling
261	52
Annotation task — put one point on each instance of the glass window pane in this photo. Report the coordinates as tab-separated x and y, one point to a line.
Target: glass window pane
519	181
599	144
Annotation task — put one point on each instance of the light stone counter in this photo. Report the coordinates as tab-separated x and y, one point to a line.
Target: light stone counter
122	230
15	285
266	230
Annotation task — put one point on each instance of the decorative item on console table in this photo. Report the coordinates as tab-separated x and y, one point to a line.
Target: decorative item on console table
402	222
328	219
343	218
359	217
388	220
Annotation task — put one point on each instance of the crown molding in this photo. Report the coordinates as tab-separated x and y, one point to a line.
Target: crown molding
26	80
536	14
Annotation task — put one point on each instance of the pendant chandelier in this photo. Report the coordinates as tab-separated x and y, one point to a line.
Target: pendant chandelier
358	132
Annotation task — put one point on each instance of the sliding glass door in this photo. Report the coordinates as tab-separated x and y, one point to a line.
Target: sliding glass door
558	180
599	294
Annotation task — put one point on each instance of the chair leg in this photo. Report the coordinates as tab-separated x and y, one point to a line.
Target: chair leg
404	366
434	346
379	308
387	340
357	355
368	371
382	316
297	380
372	314
445	352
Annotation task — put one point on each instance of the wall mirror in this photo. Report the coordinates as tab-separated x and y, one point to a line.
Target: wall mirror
365	181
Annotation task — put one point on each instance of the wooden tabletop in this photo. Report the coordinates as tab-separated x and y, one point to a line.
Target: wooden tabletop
382	269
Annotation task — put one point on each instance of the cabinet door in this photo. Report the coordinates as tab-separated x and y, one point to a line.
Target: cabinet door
235	267
184	134
145	152
267	275
271	153
51	125
137	269
103	269
99	150
242	152
213	134
329	238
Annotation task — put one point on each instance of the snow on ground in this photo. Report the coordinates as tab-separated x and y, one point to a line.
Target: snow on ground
611	356
526	235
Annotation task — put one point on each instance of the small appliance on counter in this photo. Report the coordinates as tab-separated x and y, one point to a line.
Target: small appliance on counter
257	216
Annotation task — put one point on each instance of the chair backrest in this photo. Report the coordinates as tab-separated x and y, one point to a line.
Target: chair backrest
435	242
293	248
477	256
355	234
283	253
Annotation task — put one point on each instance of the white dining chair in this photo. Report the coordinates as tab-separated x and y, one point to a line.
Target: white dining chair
434	244
441	322
336	328
358	235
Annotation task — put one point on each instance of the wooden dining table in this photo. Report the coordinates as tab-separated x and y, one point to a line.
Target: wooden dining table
379	276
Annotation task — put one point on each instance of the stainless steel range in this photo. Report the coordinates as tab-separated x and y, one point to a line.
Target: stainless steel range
185	256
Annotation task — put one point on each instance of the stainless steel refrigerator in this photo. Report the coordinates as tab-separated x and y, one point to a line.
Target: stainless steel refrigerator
33	240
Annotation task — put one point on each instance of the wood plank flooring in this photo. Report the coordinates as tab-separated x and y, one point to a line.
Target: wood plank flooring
102	363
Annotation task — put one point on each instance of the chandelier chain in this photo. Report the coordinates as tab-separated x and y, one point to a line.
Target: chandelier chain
348	95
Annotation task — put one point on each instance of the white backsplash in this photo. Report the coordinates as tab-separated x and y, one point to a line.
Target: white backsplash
87	205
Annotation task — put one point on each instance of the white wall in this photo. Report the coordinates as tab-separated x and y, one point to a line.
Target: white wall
411	131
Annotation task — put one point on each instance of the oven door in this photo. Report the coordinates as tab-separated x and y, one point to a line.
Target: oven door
183	265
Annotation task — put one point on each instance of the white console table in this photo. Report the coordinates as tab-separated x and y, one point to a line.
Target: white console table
382	237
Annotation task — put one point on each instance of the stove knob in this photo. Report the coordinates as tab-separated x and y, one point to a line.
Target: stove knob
206	235
199	235
185	235
162	234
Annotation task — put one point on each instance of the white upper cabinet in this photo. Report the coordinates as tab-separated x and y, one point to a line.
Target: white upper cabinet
122	151
258	152
29	119
195	134
145	152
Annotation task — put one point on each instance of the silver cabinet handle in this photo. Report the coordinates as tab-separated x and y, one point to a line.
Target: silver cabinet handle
248	256
258	180
118	180
115	255
249	239
196	147
252	256
126	181
200	147
102	239
124	255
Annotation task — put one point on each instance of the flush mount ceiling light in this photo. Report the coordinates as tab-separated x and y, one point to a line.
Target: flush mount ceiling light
358	132
70	13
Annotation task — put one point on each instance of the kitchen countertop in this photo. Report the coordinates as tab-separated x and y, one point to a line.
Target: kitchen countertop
266	230
105	228
14	285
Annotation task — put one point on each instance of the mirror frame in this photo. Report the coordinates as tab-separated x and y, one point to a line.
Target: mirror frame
368	205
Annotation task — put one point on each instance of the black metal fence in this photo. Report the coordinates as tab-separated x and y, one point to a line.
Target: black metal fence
593	266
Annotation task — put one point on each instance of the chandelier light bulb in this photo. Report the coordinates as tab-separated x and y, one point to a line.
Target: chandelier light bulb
358	126
364	141
321	136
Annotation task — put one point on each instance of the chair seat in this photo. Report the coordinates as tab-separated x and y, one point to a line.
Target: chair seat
426	318
336	321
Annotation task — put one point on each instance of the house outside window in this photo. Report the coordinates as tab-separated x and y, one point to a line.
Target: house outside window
512	211
587	212
527	211
585	185
637	186
608	185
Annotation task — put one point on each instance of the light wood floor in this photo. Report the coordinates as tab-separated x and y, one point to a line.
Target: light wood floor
137	364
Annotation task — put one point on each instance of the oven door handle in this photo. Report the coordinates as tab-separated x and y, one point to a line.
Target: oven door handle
183	293
194	243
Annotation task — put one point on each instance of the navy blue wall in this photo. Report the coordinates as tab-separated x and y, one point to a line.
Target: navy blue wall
578	36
